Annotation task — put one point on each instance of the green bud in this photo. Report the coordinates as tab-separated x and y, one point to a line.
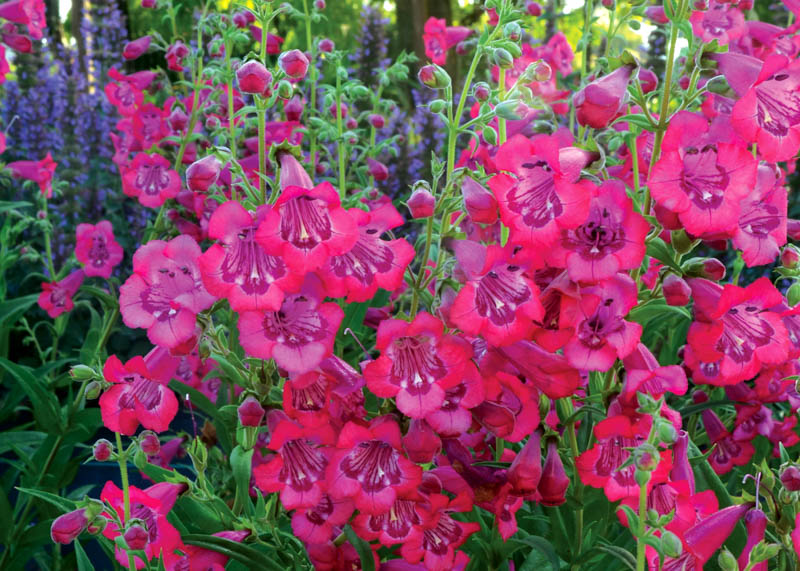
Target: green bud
489	135
437	105
93	390
726	561
503	58
764	551
646	457
360	92
671	544
642	477
681	242
285	89
666	431
718	84
342	73
507	110
647	404
793	294
82	372
93	508
512	31
97	525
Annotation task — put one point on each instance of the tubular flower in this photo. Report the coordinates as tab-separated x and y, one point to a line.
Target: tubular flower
97	249
150	179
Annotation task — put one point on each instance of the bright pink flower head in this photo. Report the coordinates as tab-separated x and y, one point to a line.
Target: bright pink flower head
150	505
371	263
723	21
238	268
253	78
708	535
453	417
97	249
136	48
762	219
418	363
702	177
377	169
643	374
175	55
56	298
151	180
294	63
727	451
135	397
768	113
165	292
421	203
41	172
369	467
735	332
439	38
30	13
510	409
66	528
499	301
610	240
600	102
554	481
319	524
479	202
526	469
421	443
299	335
203	173
544	195
307	226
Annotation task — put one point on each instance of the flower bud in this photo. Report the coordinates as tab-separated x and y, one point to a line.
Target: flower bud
342	109
97	525
319	4
250	412
479	202
542	71
648	79
148	3
503	58
437	105
671	544
666	431
554	481
790	257
421	203
726	561
793	296
600	102
377	169
489	135
253	77
718	84
285	89
790	478
533	8
676	291
526	469
136	48
294	63
93	390
326	45
201	174
507	110
66	528
646	457
294	108
433	76
512	31
713	269
178	120
377	121
421	443
82	372
102	450
481	91
136	537
149	443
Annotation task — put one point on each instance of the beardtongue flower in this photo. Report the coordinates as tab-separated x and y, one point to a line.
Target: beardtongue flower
66	528
318	524
708	535
421	443
41	172
676	291
610	240
56	297
498	300
755	523
599	103
175	55
418	363
136	48
421	203
371	263
165	292
135	397
643	374
438	38
18	42
294	64
150	179
201	174
479	202
790	478
526	469
299	335
554	481
377	169
369	468
97	249
253	78
307	226
250	412
722	21
30	13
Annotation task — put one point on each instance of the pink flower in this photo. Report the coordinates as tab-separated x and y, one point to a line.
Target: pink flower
97	249
56	298
253	78
600	102
41	172
294	64
299	335
203	173
135	397
421	203
479	202
136	48
319	524
30	13
151	180
762	219
175	54
438	38
165	292
66	528
722	21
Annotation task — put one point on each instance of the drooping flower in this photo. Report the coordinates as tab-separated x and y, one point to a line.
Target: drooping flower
299	334
97	249
610	240
41	172
526	469
307	226
544	196
371	263
418	363
702	177
165	292
727	452
136	397
56	297
735	332
601	101
369	467
238	268
150	179
554	481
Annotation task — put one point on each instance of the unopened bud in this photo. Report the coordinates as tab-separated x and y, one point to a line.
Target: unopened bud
433	76
285	89
676	291
790	257
149	442
503	58
671	544
726	561
102	450
136	537
512	31
82	372
489	135
790	478
97	525
793	295
507	110
646	457
93	390
437	105
481	91
421	203
250	412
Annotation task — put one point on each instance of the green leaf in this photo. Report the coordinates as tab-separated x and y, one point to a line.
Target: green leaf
234	550
658	249
6	205
691	409
539	545
632	516
638	120
20	439
363	549
61	503
241	463
13	309
84	564
45	403
623	555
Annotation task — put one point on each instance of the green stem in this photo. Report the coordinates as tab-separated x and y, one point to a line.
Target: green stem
312	134
573	443
640	544
231	129
262	149
423	266
47	245
122	460
340	137
588	11
501	123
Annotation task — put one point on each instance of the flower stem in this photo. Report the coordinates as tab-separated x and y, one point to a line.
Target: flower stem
340	137
423	265
573	443
231	128
501	123
262	149
312	134
640	544
122	460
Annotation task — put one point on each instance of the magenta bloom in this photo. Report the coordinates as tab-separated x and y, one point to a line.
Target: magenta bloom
611	239
371	263
135	397
722	21
600	102
418	363
768	113
601	332
294	64
700	177
762	219
307	226
41	172
56	297
237	268
318	524
544	196
165	292
175	54
136	48
299	335
151	180
369	467
97	249
499	301
643	374
30	13
735	332
439	38
297	471
67	527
